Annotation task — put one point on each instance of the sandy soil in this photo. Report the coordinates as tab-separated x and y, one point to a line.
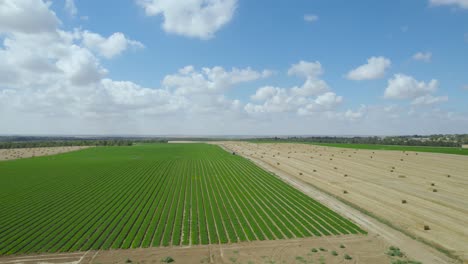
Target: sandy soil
11	154
433	185
362	249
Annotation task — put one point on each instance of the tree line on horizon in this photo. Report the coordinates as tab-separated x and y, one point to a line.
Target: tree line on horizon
70	143
413	140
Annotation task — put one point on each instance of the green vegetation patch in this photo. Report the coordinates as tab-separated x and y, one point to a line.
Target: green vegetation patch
151	195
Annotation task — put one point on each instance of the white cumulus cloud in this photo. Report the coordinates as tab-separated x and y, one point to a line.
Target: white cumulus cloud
26	16
209	80
374	69
406	87
109	47
194	18
313	96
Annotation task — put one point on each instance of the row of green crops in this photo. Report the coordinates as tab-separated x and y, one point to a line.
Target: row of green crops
151	195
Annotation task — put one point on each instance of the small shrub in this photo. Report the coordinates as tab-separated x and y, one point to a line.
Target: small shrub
347	257
342	246
300	173
322	249
128	261
334	253
300	259
403	201
426	227
434	190
394	252
345	191
315	170
432	184
314	250
168	260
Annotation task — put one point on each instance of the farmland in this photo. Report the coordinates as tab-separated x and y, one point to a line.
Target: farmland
421	194
444	150
149	196
11	154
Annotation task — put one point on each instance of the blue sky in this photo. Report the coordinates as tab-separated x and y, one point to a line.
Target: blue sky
264	40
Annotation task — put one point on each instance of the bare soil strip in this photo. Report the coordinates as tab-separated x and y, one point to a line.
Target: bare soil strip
378	182
19	153
362	249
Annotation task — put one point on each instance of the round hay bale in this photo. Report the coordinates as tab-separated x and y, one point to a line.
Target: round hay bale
345	191
300	173
403	201
426	227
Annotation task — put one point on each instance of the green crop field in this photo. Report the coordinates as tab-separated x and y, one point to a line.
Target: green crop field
150	195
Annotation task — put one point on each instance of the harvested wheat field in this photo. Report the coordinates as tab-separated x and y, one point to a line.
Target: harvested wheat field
19	153
422	194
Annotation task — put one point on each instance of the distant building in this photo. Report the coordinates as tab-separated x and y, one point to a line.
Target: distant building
465	146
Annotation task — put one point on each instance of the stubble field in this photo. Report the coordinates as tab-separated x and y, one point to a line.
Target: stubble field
423	194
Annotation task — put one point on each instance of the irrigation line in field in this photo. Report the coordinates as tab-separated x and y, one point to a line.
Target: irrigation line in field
266	213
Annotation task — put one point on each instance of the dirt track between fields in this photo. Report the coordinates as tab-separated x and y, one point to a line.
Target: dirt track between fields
19	153
370	183
362	249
